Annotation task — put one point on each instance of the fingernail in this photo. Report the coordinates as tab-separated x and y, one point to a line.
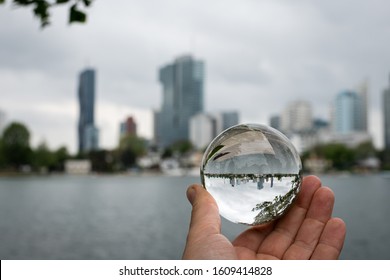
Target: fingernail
191	193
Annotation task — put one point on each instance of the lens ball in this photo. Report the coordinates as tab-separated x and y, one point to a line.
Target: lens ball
253	172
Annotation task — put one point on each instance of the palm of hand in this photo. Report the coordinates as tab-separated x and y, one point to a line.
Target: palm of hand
307	231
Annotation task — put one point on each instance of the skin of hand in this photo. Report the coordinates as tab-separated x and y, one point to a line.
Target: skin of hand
306	231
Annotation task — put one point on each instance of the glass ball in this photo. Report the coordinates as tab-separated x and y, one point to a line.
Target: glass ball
253	172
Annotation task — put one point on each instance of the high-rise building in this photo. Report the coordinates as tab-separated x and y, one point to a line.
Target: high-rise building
275	122
347	112
386	116
157	127
296	117
87	131
183	86
350	111
204	127
362	92
128	127
229	119
91	138
224	120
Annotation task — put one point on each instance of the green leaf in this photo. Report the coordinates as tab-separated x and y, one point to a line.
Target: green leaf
24	2
87	2
41	10
214	151
1	1
76	15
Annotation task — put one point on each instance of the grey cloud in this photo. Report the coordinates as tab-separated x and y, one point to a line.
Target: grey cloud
259	54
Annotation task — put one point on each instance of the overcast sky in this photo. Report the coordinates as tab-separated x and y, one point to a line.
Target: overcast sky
259	55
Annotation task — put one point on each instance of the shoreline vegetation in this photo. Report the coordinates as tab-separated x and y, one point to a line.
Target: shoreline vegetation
135	155
189	172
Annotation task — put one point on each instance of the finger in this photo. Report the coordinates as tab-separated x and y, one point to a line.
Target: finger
331	241
312	227
285	230
205	219
204	240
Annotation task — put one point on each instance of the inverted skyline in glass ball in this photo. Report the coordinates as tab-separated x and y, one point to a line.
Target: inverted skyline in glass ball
253	172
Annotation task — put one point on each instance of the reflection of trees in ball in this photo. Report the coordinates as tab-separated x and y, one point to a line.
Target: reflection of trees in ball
269	210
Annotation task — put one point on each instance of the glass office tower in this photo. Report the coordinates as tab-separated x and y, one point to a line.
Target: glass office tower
183	86
87	131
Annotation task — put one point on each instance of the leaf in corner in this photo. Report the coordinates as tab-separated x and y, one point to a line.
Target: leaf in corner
87	2
76	15
41	10
61	1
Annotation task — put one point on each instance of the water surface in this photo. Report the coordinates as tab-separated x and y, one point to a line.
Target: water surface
137	217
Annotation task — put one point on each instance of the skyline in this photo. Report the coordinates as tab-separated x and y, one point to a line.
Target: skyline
263	51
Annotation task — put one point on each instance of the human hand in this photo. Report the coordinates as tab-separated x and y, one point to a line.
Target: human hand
306	231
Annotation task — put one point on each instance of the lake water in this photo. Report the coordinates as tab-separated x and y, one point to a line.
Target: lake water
146	217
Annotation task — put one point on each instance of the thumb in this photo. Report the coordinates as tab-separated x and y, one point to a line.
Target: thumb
205	219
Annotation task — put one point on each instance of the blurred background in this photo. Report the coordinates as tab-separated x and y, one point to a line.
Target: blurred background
106	108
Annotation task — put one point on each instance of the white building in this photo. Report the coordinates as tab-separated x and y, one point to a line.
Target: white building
202	130
78	166
204	127
351	139
304	141
296	117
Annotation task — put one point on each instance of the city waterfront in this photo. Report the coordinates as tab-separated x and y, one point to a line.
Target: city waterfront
147	217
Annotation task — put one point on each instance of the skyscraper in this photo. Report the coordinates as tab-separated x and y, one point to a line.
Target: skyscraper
229	119
128	127
87	131
363	104
183	83
296	117
224	120
349	112
275	122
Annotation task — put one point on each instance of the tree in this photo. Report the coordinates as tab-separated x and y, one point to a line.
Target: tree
43	157
365	150
41	9
2	160
61	155
130	148
16	145
181	146
102	161
342	157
